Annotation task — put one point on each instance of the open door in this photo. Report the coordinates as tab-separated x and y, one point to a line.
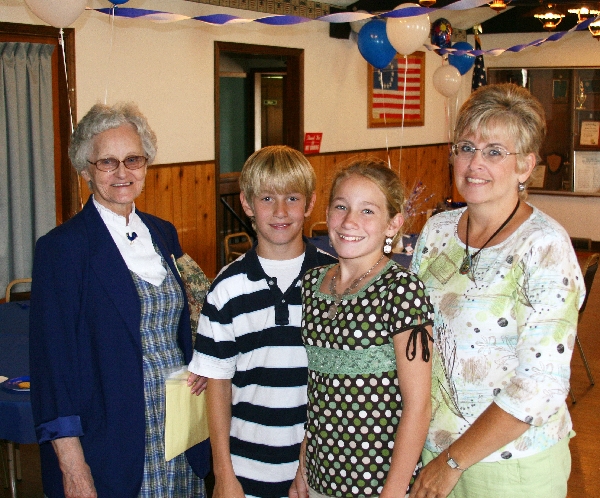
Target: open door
258	102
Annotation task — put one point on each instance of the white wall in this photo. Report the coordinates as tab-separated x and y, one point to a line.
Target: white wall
168	70
579	215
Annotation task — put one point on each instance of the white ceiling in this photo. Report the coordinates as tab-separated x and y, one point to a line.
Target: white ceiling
459	19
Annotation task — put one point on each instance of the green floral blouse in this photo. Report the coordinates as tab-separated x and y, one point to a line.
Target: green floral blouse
504	334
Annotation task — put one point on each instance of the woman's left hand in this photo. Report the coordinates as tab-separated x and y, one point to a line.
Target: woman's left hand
197	383
435	480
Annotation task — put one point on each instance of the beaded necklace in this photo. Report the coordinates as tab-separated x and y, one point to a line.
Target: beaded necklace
337	298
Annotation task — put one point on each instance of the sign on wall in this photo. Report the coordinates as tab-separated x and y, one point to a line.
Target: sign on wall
312	143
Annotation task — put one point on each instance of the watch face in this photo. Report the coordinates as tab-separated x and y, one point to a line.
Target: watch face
452	463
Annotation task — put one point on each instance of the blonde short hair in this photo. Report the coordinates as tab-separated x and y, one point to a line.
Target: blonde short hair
278	168
507	106
381	175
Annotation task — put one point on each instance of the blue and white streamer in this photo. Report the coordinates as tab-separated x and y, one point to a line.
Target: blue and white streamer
340	17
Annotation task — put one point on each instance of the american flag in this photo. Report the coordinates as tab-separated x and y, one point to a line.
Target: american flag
479	74
391	88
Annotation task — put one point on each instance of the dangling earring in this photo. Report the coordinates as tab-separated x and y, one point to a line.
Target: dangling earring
521	187
387	248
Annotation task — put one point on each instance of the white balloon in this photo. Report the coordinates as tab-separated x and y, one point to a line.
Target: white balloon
356	25
57	13
446	80
407	34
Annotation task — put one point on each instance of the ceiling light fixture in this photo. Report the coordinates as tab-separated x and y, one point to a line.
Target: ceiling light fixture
426	3
595	29
550	17
584	12
498	5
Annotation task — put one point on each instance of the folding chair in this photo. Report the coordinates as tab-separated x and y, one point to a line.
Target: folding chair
318	228
236	244
17	296
588	268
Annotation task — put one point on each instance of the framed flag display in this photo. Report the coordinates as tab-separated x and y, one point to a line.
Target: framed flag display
396	94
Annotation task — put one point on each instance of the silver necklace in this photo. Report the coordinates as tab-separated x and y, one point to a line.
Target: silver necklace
337	298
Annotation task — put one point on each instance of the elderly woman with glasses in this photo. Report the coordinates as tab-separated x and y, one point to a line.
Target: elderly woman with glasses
506	288
109	320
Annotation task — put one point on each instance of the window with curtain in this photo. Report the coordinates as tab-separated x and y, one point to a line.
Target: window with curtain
27	186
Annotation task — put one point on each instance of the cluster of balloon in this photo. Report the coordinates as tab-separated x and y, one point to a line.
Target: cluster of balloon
446	80
409	33
57	13
373	44
462	62
441	33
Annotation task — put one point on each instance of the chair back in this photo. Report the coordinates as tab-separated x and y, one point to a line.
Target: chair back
318	228
17	296
588	268
236	244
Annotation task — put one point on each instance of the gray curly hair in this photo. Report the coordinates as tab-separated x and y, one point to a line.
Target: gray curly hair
101	118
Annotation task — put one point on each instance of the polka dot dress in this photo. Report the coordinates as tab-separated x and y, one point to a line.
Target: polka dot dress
354	401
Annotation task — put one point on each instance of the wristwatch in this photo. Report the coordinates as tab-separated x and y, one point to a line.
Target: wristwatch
452	463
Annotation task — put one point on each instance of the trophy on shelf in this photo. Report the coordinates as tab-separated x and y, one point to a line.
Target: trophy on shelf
581	96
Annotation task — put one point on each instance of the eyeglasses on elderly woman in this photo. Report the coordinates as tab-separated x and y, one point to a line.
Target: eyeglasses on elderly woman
109	164
492	154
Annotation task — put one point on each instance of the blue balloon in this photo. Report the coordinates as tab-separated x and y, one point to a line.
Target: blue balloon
374	45
441	33
462	62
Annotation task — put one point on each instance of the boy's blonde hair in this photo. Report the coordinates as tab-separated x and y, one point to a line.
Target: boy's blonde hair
280	169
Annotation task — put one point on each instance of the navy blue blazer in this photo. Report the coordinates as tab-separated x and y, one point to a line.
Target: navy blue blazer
86	352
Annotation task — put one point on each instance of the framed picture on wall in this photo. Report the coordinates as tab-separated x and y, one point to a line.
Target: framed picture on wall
560	90
587	171
590	133
538	176
396	94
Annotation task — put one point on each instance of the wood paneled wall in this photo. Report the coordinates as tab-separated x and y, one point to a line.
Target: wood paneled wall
426	163
185	193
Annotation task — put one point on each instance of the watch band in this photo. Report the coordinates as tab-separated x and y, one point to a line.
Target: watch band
452	463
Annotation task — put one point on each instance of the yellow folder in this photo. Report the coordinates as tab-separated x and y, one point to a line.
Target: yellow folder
186	421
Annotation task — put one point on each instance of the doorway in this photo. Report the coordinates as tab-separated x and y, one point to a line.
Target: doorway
258	102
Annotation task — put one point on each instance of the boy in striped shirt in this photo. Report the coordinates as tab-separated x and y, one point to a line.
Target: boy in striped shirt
249	344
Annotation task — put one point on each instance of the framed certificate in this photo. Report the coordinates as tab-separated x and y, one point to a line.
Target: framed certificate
538	176
590	133
587	171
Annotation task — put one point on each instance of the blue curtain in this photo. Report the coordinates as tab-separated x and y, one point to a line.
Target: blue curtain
27	196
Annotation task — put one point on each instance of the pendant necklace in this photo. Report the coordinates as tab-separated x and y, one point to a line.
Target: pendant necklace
337	298
467	263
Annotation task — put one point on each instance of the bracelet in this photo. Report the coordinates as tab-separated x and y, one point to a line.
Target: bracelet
452	463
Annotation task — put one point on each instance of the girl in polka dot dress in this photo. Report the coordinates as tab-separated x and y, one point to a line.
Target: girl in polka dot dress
367	331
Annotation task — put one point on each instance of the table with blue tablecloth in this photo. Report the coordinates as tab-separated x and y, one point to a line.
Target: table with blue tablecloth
16	419
404	258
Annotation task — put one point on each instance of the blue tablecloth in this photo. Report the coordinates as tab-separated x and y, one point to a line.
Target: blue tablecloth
322	242
16	419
